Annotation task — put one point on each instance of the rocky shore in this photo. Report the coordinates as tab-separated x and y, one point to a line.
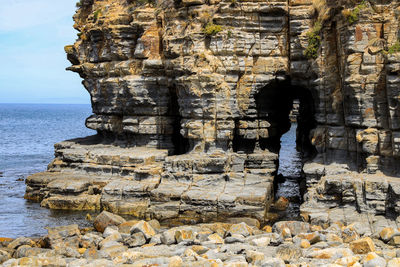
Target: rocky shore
190	100
113	241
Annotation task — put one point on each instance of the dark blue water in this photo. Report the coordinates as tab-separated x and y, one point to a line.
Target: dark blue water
28	133
290	166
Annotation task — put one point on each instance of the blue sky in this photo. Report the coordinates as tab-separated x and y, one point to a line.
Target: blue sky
33	34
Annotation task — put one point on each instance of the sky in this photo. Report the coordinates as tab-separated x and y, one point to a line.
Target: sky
33	34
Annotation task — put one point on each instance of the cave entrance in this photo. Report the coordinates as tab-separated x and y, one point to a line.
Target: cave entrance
179	143
290	111
275	103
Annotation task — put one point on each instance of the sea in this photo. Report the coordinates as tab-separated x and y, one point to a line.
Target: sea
28	133
290	169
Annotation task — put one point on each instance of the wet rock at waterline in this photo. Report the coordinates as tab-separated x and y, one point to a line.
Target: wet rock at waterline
287	243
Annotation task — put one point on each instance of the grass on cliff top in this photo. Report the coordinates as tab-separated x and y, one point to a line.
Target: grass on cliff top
314	41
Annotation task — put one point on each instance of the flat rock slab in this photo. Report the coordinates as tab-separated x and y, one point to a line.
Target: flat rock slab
70	185
72	202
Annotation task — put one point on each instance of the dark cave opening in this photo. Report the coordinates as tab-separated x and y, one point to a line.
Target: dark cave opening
290	139
180	144
274	104
240	143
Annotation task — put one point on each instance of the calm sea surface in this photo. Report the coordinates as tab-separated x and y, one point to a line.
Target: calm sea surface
27	135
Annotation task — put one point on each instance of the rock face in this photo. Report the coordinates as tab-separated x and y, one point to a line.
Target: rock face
190	100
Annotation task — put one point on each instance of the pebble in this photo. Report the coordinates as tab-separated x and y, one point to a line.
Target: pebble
214	244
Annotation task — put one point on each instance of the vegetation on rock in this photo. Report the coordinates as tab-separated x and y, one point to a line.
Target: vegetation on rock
394	48
352	15
212	29
96	14
314	41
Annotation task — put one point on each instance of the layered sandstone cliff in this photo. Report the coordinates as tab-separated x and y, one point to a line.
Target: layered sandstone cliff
191	97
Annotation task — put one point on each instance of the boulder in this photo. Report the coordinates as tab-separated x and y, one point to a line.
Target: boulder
64	236
144	228
20	241
288	252
105	219
241	229
362	246
135	240
295	227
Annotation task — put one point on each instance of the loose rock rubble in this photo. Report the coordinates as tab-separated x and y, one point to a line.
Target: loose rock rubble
146	243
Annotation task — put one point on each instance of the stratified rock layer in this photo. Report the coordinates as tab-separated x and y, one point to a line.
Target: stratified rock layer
190	99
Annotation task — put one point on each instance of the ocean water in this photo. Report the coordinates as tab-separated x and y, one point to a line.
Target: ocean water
28	133
289	158
290	165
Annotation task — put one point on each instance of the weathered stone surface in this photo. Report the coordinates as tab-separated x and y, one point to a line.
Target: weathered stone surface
387	233
144	228
20	241
372	259
295	227
28	251
105	219
288	252
64	236
168	237
362	246
90	240
330	253
135	240
4	256
240	229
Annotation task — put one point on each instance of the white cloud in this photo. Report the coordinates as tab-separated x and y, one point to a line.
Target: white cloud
22	14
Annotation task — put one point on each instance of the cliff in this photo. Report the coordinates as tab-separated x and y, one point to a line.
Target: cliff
191	97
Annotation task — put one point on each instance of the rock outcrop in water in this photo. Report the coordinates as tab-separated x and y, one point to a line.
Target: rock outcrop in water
191	97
